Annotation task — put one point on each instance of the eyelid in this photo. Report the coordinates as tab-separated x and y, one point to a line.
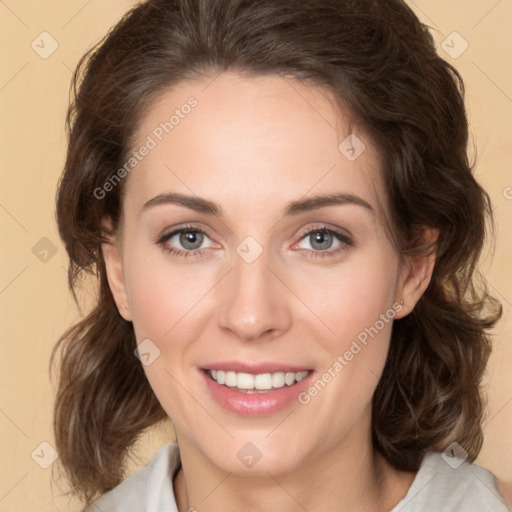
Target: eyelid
344	237
323	227
162	239
184	227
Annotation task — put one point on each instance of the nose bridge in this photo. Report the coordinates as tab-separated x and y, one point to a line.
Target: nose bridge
252	301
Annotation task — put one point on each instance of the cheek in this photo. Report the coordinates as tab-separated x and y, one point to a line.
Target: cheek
341	301
350	298
163	295
338	319
356	305
165	300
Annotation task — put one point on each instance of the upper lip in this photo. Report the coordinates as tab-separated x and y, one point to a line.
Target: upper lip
255	369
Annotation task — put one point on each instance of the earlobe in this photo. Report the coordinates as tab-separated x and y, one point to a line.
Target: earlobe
416	273
115	274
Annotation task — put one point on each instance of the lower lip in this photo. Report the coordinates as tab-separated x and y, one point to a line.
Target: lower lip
257	404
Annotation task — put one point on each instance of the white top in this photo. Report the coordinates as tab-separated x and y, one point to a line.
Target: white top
438	487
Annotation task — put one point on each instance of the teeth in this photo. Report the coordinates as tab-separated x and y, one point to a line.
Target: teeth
278	380
244	381
289	378
230	379
220	377
261	381
301	375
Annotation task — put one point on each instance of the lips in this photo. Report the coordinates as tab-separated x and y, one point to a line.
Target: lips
259	382
254	369
257	389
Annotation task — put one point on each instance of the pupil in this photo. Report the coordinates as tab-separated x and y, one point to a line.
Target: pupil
323	239
190	237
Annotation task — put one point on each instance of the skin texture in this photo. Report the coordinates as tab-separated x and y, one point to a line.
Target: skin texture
252	145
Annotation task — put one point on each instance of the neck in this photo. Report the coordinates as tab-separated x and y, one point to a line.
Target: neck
348	477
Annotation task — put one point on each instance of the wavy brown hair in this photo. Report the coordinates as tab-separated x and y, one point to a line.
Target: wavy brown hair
380	62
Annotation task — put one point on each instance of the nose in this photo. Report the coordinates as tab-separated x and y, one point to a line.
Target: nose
253	301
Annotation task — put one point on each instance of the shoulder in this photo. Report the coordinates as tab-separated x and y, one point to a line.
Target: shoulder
149	488
446	484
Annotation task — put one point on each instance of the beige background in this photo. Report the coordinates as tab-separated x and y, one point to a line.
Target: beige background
35	306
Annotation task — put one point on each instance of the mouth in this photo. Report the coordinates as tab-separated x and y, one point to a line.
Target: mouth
256	383
256	389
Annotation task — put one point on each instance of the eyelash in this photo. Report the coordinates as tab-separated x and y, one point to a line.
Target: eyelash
343	238
178	252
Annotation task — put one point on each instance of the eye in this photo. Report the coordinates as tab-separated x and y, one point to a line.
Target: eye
184	242
189	241
325	242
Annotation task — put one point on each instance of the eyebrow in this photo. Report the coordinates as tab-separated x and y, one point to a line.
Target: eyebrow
296	207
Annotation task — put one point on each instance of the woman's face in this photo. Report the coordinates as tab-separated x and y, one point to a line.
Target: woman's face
231	263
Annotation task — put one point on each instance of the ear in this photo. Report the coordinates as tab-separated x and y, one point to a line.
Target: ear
115	274
416	273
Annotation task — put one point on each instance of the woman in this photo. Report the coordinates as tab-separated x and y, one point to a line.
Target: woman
276	199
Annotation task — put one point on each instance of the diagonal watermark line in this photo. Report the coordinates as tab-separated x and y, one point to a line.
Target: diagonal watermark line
330	169
13	279
415	495
304	195
14	218
286	491
3	3
197	301
492	491
288	82
215	488
76	14
14	76
14	486
496	414
486	14
199	403
67	66
168	168
373	373
321	321
79	285
13	423
281	422
211	81
424	14
492	81
97	507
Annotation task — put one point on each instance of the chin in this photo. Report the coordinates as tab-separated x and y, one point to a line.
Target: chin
257	455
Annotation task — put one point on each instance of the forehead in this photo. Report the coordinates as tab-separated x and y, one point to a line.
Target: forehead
251	140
